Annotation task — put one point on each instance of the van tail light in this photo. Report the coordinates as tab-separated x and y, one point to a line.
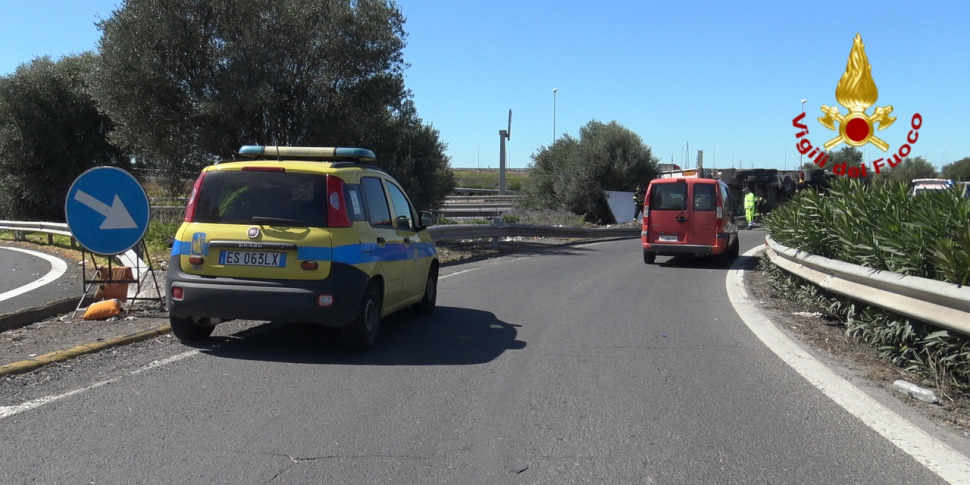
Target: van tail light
190	205
645	219
336	208
720	210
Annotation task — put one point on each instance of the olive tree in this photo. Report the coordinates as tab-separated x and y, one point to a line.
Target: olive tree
959	170
573	173
189	81
50	132
908	169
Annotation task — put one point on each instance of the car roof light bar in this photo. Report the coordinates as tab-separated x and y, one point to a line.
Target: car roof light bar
316	153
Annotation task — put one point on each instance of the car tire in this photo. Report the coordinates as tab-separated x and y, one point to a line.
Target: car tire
427	303
649	257
187	330
362	334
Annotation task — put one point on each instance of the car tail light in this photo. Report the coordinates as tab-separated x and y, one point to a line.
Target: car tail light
190	205
309	265
178	293
336	208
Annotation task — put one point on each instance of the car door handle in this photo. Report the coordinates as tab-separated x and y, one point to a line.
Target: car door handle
407	241
681	219
381	240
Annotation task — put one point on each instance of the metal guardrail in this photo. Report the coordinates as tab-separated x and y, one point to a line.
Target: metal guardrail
438	233
454	206
453	232
480	206
946	305
22	228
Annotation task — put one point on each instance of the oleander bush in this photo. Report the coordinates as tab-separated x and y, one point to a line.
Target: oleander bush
882	226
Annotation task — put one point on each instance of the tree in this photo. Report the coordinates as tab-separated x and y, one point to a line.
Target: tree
848	155
907	170
573	173
959	170
189	81
50	132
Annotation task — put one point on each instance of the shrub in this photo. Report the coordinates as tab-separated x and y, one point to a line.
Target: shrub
880	227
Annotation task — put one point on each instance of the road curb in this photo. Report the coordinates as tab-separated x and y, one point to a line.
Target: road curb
25	317
24	366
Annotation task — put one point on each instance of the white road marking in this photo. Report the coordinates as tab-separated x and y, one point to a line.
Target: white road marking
58	268
934	454
7	411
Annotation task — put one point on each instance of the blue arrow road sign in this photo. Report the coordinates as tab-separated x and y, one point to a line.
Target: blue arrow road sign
107	210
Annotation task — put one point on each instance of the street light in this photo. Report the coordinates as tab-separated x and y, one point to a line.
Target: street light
554	91
800	153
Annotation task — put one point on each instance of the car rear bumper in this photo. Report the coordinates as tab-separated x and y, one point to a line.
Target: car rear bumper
275	300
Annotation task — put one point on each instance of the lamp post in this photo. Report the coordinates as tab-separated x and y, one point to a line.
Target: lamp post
800	153
554	91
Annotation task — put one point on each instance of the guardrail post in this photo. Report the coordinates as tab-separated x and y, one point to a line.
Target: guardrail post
495	243
19	236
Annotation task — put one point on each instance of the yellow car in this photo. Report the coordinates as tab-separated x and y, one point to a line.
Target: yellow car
300	234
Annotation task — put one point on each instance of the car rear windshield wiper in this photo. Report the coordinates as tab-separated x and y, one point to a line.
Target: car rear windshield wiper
277	221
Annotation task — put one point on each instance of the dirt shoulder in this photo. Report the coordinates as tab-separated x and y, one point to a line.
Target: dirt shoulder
827	336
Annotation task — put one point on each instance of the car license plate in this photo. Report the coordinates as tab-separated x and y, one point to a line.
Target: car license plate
667	238
252	258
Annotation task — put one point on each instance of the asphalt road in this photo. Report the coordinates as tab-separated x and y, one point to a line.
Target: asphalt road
578	365
31	279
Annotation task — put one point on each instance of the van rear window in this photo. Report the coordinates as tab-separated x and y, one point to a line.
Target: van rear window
668	197
284	198
704	197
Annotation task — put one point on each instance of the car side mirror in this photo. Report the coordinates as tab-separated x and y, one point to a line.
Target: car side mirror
427	219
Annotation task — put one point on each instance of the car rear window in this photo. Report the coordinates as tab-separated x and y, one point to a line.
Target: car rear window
262	197
669	197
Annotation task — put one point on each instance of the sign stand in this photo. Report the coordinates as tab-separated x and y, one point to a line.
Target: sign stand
102	275
108	212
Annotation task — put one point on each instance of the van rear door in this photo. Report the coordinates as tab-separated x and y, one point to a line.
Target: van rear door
703	222
667	220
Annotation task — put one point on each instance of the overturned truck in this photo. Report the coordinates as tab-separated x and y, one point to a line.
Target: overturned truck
774	186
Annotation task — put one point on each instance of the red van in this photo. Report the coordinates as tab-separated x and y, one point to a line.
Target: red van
688	216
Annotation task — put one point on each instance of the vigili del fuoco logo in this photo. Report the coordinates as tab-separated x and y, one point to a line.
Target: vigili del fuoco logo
856	92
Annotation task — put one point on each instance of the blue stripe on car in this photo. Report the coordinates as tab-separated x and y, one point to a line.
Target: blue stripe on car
349	254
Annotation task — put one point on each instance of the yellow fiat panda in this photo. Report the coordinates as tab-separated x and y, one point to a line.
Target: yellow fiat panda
300	234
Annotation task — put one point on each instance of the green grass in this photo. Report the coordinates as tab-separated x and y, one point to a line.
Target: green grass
489	179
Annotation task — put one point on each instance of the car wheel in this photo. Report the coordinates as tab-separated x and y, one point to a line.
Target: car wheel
427	303
649	256
363	332
735	249
186	329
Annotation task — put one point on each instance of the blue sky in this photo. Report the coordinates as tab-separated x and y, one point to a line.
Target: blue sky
726	78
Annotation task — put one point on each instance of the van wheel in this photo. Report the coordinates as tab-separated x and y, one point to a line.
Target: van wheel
730	254
186	329
362	334
427	303
649	256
